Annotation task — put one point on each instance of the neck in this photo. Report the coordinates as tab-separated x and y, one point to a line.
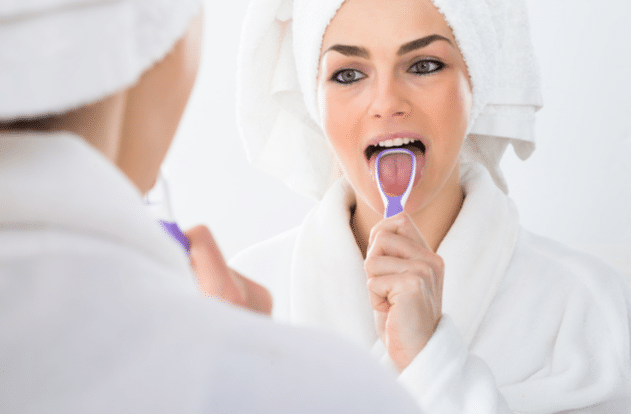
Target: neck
433	220
98	123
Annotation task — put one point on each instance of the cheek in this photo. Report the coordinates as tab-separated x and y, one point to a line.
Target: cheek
342	116
335	116
453	113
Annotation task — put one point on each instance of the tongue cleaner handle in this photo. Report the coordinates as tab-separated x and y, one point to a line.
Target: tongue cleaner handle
174	230
395	204
159	203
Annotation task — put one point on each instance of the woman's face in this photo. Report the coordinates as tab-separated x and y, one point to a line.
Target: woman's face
391	69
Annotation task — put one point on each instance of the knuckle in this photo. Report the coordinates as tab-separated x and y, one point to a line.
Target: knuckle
375	230
422	269
375	286
405	219
370	263
400	221
439	264
409	282
378	240
379	234
370	284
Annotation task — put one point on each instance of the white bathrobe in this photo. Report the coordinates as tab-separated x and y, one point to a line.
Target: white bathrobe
528	325
99	312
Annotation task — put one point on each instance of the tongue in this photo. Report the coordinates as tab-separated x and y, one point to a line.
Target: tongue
394	170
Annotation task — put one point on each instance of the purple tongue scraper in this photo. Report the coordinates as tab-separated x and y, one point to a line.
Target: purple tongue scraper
395	204
172	228
158	201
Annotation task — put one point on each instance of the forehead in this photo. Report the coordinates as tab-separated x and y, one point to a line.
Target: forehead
381	23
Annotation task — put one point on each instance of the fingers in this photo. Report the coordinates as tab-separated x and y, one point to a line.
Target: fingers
405	284
388	287
388	247
398	238
386	243
387	265
201	239
258	298
390	278
407	312
214	277
400	224
385	291
401	290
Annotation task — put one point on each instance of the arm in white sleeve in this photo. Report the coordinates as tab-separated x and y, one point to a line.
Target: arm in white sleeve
581	374
446	378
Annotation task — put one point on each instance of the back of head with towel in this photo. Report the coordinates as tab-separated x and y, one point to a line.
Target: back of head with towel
99	309
473	312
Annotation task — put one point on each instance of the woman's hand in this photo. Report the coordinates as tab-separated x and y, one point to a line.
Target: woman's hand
405	287
216	279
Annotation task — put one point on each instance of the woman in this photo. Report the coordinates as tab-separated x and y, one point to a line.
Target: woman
99	312
474	312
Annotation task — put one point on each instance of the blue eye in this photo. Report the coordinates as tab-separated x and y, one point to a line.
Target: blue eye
347	76
426	66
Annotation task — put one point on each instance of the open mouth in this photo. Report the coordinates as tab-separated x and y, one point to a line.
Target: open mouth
416	146
411	144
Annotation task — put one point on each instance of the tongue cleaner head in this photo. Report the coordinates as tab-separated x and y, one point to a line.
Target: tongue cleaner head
393	203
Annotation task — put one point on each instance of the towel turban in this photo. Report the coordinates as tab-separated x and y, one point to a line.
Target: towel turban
58	55
278	61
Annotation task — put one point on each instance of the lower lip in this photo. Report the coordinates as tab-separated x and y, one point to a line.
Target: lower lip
420	159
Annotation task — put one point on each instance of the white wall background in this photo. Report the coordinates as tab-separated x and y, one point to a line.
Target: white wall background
575	188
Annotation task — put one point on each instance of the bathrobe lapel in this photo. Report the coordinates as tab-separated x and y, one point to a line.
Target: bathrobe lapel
49	192
328	282
477	250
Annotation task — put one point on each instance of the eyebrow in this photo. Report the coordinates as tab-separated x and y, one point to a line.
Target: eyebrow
405	48
419	43
350	51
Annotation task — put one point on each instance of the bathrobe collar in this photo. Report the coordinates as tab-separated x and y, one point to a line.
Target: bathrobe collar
328	282
57	181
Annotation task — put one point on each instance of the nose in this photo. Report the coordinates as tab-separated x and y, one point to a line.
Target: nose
389	100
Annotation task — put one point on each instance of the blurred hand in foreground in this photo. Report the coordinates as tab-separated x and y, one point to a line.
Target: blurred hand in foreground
217	280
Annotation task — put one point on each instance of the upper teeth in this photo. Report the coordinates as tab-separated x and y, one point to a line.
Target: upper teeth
395	142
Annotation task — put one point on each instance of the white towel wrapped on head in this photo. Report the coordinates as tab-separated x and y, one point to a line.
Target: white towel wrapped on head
58	55
276	86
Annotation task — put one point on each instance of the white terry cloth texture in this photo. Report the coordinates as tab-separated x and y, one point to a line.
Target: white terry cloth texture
277	113
58	55
528	325
101	313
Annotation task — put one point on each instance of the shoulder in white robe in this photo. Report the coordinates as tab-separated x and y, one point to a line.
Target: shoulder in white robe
528	324
99	311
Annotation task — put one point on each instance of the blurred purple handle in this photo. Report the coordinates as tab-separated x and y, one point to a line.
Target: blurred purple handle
175	232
